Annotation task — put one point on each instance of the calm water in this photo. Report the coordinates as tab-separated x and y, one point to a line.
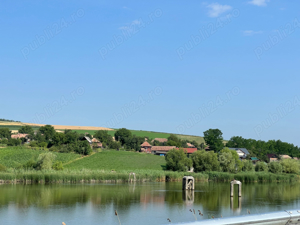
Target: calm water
146	203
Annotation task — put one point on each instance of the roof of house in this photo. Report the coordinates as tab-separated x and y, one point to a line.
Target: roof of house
271	156
95	140
285	156
207	148
162	148
161	140
146	144
242	149
254	158
15	136
88	139
189	150
190	145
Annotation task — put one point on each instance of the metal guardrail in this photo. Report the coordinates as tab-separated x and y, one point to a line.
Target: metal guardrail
273	218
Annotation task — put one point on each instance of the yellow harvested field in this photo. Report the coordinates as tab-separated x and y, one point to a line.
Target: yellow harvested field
56	127
2	123
63	127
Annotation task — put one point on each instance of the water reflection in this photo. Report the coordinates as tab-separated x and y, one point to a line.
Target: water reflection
140	203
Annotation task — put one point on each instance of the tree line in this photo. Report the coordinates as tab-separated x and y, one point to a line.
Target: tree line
224	161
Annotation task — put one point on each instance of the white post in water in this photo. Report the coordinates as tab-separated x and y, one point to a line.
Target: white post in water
130	179
232	183
188	183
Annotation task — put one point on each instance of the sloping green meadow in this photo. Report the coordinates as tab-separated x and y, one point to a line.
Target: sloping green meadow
119	160
12	157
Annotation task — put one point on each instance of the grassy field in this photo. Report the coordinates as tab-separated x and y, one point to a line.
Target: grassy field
14	156
92	130
150	134
118	160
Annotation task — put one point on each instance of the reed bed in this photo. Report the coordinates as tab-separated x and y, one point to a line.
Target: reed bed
90	176
253	177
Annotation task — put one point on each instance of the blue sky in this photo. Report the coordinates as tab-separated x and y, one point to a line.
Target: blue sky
170	66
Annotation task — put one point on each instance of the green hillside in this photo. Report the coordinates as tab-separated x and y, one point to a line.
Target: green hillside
119	160
14	156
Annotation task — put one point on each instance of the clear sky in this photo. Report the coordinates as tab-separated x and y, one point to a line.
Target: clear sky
170	66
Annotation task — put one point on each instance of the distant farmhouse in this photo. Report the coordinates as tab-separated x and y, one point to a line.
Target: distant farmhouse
242	152
272	157
16	136
93	142
162	150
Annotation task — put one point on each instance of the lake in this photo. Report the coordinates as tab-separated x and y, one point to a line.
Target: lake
136	204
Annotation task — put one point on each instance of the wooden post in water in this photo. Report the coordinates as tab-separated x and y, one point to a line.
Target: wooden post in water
232	183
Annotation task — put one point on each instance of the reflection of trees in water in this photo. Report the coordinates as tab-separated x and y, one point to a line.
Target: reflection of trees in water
212	196
45	196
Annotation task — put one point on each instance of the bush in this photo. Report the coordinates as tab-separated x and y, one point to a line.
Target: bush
275	167
45	161
290	165
14	142
177	160
248	166
58	166
261	167
33	144
31	164
4	141
2	168
205	161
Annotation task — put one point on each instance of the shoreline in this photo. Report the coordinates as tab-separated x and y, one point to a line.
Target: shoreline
90	176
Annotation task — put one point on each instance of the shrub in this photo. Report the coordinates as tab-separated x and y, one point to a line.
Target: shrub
290	165
227	162
177	160
14	142
205	161
2	168
33	144
31	164
248	166
58	166
261	167
45	161
275	167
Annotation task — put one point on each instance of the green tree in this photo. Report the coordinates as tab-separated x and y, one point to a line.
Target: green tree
5	133
123	135
83	147
115	145
59	139
48	131
227	162
26	130
238	164
103	137
290	165
213	138
248	166
173	140
205	161
177	160
14	142
45	161
275	167
261	167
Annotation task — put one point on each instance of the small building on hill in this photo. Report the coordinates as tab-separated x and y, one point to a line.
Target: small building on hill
285	157
96	143
190	145
272	157
242	152
161	150
18	136
146	147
